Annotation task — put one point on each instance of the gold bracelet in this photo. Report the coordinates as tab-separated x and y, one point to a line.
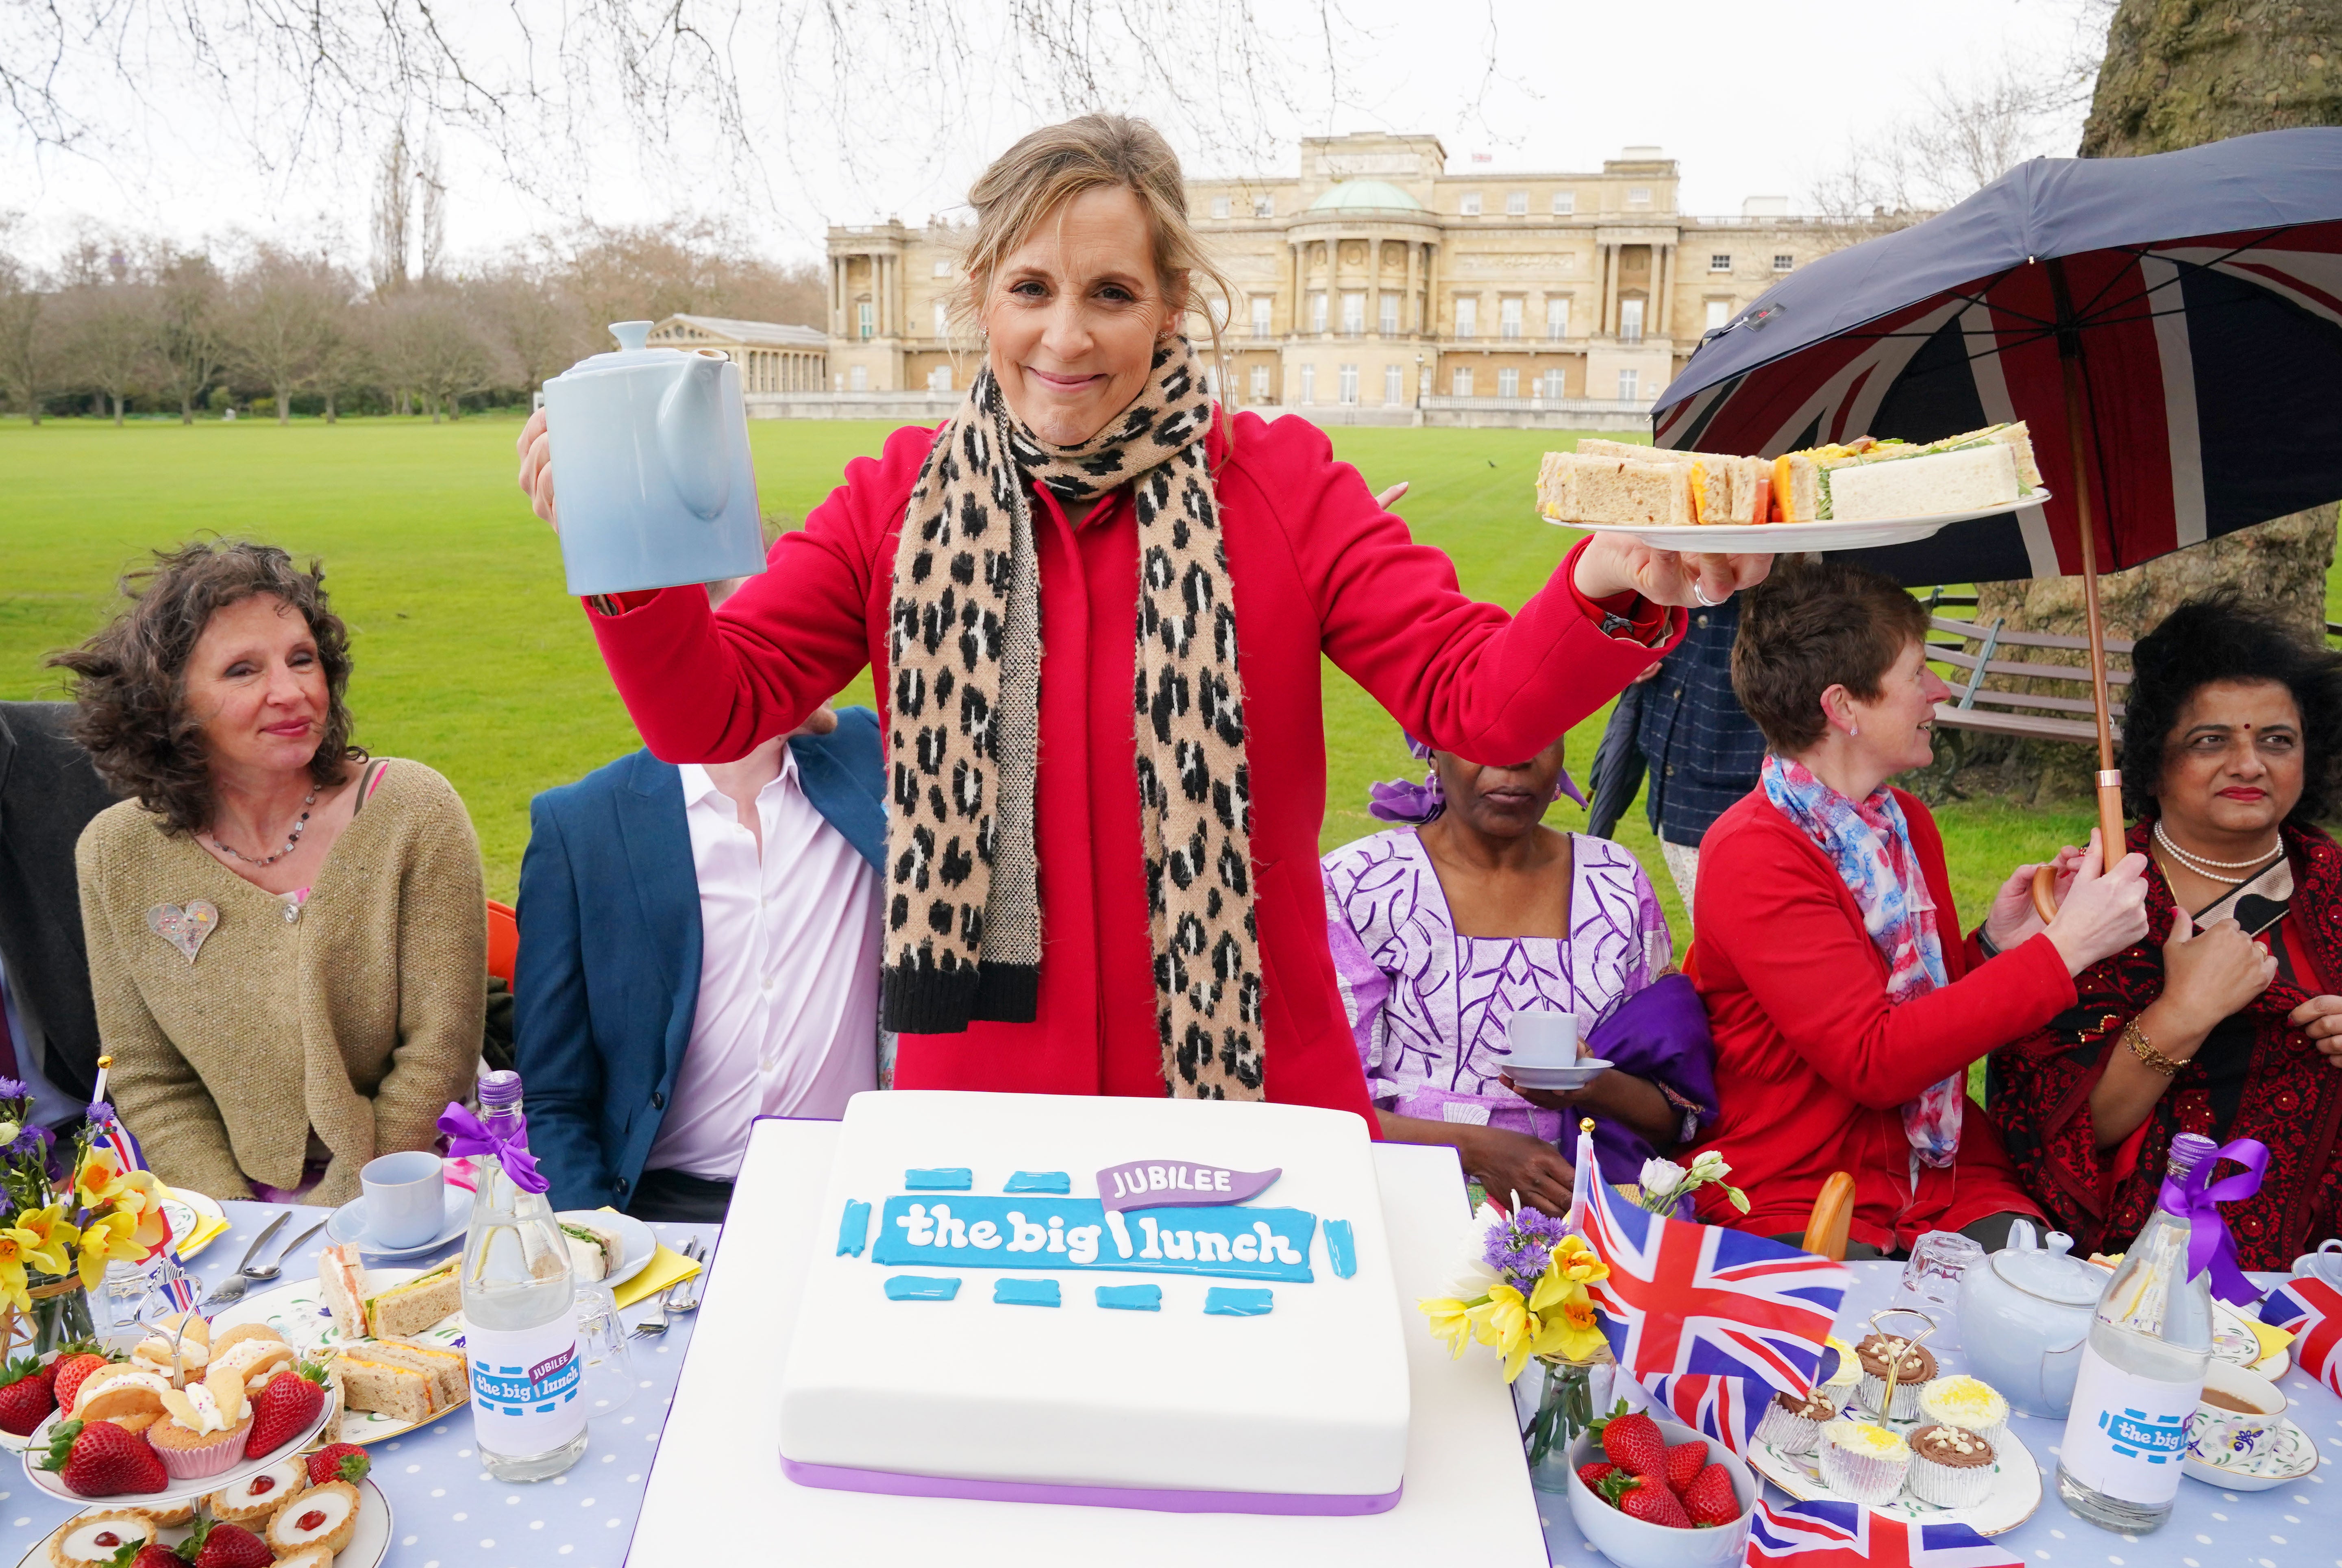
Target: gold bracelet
2141	1048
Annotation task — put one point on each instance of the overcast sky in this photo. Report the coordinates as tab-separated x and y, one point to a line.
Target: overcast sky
1752	98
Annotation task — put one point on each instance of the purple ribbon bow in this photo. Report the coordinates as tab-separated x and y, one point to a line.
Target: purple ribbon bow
2197	1198
468	1134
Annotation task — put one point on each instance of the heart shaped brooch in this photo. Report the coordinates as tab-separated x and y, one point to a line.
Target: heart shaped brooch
183	927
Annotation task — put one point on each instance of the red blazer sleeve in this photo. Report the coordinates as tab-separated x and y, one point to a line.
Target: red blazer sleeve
1791	933
1461	675
707	685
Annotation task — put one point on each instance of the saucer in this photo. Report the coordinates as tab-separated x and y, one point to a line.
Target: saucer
348	1227
1576	1075
2288	1459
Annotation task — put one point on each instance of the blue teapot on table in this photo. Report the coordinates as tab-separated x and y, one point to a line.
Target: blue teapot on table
2024	1314
656	485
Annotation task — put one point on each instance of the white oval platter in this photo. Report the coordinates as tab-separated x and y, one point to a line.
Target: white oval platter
1790	538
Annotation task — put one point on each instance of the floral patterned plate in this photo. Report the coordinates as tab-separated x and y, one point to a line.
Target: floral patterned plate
2015	1486
299	1314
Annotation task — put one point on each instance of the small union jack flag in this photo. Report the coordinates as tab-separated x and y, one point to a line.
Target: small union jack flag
1726	1409
1683	1297
1848	1536
2312	1310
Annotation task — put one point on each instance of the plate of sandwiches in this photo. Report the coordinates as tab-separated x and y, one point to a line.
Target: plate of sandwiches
1850	496
606	1247
339	1524
392	1339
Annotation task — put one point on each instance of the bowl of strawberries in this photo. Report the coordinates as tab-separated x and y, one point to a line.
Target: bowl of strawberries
1650	1493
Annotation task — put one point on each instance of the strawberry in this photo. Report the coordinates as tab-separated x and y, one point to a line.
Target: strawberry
216	1545
102	1460
1685	1460
70	1371
1632	1443
284	1409
339	1462
147	1554
1646	1498
1709	1499
26	1398
1591	1474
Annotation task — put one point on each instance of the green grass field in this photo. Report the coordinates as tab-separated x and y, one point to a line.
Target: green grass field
471	659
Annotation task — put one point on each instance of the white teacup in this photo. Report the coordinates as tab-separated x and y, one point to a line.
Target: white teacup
2218	1433
1537	1038
406	1198
2325	1263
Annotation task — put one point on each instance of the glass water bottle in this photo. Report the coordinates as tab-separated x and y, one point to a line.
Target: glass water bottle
520	1314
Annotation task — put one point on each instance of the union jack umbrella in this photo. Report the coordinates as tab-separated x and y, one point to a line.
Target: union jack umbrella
1844	1535
2168	327
2312	1310
1687	1299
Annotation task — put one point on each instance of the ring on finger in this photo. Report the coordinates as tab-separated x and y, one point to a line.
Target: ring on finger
1699	592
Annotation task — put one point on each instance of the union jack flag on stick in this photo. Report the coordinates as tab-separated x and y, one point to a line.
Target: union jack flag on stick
2312	1310
1701	1300
1726	1409
1848	1536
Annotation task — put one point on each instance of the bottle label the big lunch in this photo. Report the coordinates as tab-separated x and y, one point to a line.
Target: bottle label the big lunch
2127	1433
526	1384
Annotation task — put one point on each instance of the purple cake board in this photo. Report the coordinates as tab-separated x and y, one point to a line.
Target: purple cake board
839	1478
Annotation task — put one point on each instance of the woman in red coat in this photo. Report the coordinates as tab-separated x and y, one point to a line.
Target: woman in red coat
1845	1008
1103	836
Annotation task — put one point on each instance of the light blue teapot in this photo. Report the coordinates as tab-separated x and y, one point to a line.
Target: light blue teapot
651	445
2025	1313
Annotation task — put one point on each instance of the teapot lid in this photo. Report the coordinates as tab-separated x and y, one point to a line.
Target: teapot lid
2052	1272
629	352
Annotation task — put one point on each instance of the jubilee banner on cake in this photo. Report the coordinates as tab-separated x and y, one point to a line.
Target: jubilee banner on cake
969	1230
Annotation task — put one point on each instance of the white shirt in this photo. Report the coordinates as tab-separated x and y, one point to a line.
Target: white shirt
787	1022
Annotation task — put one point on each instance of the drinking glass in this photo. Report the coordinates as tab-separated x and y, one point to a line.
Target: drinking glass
602	1346
1938	1259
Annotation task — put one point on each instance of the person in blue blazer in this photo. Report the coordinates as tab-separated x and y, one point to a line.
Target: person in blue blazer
698	948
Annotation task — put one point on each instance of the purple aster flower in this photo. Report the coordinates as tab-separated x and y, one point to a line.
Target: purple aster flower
11	1089
99	1112
32	1141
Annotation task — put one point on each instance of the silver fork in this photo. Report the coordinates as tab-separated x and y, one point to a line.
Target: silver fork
649	1330
233	1288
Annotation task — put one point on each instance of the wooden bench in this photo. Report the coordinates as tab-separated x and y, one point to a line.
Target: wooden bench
1974	650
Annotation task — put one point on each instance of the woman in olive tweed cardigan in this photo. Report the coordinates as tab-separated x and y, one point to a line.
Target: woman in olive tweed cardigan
359	1019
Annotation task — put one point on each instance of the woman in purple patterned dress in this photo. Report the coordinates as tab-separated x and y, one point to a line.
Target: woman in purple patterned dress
1471	910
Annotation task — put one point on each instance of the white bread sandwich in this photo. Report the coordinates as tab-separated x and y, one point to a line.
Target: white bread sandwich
370	1383
1806	485
595	1253
341	1279
362	1311
1593	490
1724	488
1973	478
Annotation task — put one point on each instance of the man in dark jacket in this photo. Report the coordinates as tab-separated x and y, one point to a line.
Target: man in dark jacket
48	793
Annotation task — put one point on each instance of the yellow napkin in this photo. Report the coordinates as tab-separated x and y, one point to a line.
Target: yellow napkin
666	1267
2272	1340
203	1236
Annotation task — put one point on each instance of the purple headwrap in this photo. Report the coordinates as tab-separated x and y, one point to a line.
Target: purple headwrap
1400	801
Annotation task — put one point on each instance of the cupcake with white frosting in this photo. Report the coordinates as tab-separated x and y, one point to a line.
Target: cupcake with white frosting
1863	1462
1969	1403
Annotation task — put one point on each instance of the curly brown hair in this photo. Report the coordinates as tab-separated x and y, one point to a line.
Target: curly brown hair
129	679
1809	627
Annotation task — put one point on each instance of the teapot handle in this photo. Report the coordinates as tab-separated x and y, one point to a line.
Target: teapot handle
691	437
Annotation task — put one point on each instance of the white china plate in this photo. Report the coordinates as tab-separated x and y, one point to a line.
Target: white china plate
2294	1456
2234	1341
1577	1075
640	1246
299	1315
2015	1487
348	1227
188	1211
1783	538
37	1445
369	1544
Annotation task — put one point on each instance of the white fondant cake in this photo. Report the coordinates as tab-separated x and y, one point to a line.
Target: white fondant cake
1247	1340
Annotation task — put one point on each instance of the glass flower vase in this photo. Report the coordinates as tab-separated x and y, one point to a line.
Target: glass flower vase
58	1315
1565	1409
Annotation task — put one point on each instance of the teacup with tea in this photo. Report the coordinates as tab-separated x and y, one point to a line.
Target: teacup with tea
2236	1416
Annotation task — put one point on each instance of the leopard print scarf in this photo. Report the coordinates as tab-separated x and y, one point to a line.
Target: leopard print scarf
964	915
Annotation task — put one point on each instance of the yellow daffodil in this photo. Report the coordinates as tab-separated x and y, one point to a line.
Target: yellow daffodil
1507	1327
1571	1330
33	1241
1451	1322
129	1232
1576	1261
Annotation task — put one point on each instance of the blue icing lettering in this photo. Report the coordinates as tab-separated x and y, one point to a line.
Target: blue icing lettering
1341	1249
1220	1301
1039	1182
940	1179
1024	1292
920	1288
854	1228
969	1231
1131	1297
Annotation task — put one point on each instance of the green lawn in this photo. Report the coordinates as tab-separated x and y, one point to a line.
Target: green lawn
471	657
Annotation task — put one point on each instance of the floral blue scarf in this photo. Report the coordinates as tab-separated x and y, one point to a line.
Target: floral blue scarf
1870	844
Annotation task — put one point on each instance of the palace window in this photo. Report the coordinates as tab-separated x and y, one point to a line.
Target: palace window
1631	321
1462	381
1638	196
1354	313
939	378
1468	316
943	319
1628	381
1517	204
866	319
1471	204
1260	383
1719	262
1564	203
1264	207
1394	384
1349	378
1719	311
1508	383
1261	306
1389	324
1219	206
943	267
858	378
1556	317
1783	261
1508	316
1555	386
1309	383
1317	311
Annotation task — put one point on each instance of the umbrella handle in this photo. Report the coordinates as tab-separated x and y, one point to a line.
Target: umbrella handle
2045	893
2110	836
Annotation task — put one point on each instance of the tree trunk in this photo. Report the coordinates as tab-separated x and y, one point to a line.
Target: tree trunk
331	418
2178	74
186	410
118	410
284	405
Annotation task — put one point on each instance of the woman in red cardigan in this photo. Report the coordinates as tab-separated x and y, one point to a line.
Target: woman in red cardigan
1845	1008
1103	836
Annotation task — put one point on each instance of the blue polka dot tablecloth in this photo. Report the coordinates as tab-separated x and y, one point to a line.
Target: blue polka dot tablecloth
2296	1526
446	1511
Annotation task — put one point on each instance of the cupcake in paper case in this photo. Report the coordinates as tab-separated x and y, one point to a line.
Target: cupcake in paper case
1863	1463
1968	1403
1794	1424
1915	1365
1840	1378
1951	1467
203	1429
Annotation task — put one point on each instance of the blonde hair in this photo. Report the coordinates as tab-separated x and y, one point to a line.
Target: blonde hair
1050	167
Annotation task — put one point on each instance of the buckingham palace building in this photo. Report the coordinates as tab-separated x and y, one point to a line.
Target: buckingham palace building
1373	285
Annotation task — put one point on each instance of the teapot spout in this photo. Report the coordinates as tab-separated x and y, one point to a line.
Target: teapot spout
691	437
